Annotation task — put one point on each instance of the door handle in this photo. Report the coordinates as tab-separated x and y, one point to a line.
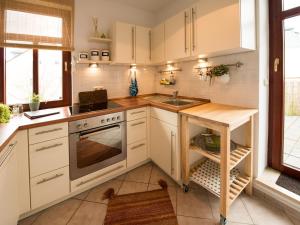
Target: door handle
276	64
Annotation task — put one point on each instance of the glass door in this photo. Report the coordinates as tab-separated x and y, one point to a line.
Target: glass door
284	110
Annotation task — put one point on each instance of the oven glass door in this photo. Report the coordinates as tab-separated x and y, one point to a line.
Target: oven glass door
98	145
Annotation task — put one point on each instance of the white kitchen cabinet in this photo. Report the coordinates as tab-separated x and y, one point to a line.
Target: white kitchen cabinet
136	153
23	171
177	36
9	207
142	45
227	27
131	44
136	130
158	44
164	142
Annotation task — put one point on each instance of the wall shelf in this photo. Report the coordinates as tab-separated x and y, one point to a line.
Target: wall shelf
99	62
100	40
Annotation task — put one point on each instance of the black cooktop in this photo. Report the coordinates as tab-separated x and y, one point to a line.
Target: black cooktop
80	108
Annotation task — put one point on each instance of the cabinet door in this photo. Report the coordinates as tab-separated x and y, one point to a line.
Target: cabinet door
158	43
161	145
220	23
23	171
177	31
142	45
9	211
124	43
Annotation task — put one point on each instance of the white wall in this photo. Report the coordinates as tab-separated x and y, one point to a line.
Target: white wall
114	78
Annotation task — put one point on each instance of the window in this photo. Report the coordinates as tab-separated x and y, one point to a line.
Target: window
36	40
290	4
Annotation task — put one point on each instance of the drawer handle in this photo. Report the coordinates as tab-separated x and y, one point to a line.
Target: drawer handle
137	112
136	124
5	156
101	175
48	131
50	178
48	147
138	146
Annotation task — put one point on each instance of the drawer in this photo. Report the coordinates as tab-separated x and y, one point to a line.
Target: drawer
49	187
135	114
48	156
164	115
46	133
95	178
136	153
136	130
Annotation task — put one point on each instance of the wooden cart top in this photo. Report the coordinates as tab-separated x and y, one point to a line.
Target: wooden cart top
223	115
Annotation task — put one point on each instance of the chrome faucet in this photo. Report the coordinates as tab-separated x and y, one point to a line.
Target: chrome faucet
175	95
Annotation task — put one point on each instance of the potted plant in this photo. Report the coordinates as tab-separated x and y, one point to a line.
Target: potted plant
221	73
34	103
4	113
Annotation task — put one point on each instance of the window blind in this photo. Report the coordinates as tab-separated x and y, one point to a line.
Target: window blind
41	24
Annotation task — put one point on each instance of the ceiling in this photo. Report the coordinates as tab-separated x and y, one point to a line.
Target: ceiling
147	5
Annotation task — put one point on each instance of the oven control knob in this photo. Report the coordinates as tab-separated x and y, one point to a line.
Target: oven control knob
79	126
107	119
85	125
113	119
102	121
118	117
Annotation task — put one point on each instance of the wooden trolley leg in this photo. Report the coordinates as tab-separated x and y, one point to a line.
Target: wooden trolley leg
225	174
185	144
249	160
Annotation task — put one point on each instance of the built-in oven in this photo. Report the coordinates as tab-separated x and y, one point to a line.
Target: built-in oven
96	143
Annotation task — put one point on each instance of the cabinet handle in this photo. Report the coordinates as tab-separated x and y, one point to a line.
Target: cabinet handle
138	112
48	147
132	42
66	66
136	124
101	175
138	146
5	156
276	64
193	28
48	131
185	32
50	178
150	45
172	166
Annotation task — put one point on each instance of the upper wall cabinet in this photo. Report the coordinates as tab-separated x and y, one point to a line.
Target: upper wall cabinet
177	36
158	44
131	44
225	27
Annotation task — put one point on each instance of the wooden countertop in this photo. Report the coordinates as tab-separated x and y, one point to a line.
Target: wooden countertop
224	115
7	131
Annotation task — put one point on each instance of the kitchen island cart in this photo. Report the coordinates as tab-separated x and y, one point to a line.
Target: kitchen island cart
217	172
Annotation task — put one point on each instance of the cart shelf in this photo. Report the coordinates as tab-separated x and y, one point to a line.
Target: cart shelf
207	174
236	156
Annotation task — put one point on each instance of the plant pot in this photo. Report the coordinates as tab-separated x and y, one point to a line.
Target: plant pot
34	106
224	79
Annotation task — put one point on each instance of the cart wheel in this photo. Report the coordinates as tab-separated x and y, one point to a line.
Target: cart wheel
186	188
223	220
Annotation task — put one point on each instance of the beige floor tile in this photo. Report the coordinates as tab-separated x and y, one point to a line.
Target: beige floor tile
158	174
89	213
121	177
237	213
172	193
59	214
29	220
82	195
96	194
195	203
182	220
264	213
140	174
132	187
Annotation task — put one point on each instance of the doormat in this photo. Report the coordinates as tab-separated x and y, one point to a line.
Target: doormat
289	183
142	208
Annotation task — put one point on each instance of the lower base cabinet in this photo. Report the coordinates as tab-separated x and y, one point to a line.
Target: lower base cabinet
136	153
49	187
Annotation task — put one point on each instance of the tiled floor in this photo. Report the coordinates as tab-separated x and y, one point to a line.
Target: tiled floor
292	141
198	207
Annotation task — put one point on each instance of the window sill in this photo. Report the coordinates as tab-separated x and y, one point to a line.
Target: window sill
266	184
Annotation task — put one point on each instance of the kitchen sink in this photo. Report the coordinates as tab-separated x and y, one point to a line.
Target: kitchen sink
177	102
